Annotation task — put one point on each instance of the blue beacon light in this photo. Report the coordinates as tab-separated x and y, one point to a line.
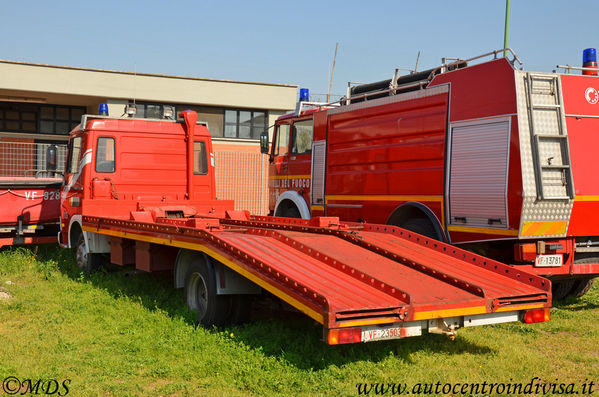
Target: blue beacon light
103	109
304	94
589	60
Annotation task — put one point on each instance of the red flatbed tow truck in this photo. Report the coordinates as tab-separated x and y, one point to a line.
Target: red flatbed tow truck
142	192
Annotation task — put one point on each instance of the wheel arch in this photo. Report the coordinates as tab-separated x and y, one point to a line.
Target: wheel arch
291	197
414	209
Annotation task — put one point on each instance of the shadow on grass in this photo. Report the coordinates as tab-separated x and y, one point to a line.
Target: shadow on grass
575	304
275	329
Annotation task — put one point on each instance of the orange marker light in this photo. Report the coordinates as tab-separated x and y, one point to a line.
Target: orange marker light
537	316
344	335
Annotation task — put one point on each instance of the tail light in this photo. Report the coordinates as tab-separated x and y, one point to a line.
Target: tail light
344	335
537	316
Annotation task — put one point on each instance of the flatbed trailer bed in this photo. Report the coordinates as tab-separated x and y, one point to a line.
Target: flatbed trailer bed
361	282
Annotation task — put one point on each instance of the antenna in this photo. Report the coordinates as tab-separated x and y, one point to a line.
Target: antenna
417	59
332	72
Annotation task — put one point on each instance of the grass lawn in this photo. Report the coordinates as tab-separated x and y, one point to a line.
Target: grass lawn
117	333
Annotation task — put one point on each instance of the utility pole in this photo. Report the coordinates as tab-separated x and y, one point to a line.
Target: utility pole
506	33
332	72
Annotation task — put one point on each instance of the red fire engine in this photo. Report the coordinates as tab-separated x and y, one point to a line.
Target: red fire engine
29	192
497	160
142	193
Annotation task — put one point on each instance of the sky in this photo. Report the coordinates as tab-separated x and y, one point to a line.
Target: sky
292	42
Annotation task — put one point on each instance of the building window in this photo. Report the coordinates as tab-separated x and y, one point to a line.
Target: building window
210	115
43	119
59	120
246	124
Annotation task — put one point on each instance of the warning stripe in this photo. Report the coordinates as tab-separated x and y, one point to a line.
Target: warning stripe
544	228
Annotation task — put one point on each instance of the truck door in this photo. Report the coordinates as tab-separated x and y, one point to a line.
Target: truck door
72	192
300	158
279	165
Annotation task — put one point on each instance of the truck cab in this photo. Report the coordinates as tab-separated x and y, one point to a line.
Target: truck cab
135	169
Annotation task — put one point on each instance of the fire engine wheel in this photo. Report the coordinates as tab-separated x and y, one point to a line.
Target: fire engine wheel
561	289
200	295
292	212
86	261
581	287
420	226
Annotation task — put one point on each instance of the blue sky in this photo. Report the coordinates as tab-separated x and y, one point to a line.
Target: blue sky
291	42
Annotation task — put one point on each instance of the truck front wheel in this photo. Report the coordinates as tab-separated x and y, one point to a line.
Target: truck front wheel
86	261
200	295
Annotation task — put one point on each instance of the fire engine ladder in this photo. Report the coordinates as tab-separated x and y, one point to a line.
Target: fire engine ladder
549	138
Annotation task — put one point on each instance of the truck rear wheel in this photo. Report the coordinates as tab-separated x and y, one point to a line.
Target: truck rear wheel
201	297
86	261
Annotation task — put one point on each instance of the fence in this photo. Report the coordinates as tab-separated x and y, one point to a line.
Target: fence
243	177
18	159
240	176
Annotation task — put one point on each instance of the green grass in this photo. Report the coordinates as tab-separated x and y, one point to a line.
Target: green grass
115	333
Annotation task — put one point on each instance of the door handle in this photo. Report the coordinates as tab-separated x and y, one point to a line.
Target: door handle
292	158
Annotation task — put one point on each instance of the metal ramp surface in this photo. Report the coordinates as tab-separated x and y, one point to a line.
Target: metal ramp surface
348	275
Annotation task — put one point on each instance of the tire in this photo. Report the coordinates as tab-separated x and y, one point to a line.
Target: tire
292	212
421	226
86	261
561	289
581	287
200	295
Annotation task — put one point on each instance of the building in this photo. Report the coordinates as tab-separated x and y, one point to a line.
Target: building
40	104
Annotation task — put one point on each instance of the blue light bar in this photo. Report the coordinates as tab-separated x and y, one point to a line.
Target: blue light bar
103	109
304	94
589	55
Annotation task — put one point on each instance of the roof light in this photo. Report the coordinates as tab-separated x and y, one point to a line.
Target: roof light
103	109
589	60
589	55
130	110
168	112
304	94
537	316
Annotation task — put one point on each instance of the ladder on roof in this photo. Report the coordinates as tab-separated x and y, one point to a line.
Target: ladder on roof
551	154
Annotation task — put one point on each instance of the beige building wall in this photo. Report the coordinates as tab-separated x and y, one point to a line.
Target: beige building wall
242	171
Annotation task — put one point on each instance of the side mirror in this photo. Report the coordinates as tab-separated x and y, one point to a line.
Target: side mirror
264	148
51	158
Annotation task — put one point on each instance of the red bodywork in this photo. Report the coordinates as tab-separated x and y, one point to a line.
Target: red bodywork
384	155
134	196
153	165
29	210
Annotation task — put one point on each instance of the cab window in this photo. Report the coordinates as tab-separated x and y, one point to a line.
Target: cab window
74	152
302	137
200	158
282	143
105	162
